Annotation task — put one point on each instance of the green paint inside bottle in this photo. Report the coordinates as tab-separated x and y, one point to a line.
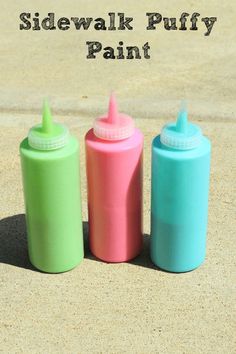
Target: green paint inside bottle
51	183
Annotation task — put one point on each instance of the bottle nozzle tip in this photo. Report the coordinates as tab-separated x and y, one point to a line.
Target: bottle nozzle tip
112	110
182	120
47	124
183	105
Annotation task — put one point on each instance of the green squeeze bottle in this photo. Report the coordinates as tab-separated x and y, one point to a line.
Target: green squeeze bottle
51	183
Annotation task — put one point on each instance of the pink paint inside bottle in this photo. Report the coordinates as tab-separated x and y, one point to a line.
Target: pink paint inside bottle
114	177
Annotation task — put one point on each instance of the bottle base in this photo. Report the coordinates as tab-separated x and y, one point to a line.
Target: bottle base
56	270
115	259
177	269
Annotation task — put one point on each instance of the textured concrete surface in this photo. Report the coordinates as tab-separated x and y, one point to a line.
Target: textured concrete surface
131	307
119	308
183	64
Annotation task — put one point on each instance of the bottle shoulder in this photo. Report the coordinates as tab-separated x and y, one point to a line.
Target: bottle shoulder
160	149
92	141
68	149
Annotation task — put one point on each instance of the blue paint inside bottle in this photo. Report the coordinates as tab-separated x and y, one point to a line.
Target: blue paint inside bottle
179	200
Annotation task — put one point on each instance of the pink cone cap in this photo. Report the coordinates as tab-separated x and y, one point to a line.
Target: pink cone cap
114	126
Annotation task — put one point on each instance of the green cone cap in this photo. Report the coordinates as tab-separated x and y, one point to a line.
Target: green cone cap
48	135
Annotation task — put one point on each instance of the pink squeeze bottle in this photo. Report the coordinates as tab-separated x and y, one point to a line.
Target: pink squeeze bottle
114	176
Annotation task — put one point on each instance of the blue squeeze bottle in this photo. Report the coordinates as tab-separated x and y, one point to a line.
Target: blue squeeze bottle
179	195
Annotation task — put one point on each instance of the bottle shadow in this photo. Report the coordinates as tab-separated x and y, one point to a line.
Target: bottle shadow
13	245
142	260
13	242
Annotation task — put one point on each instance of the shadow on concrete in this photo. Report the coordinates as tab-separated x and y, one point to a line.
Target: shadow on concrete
13	242
13	245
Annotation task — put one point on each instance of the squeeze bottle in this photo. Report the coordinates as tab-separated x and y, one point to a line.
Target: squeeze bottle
51	183
179	195
114	178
